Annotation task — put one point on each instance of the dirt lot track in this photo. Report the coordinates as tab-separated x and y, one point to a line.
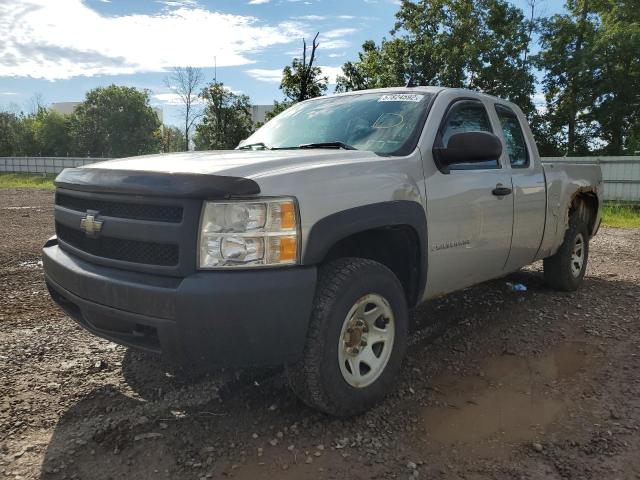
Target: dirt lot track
534	385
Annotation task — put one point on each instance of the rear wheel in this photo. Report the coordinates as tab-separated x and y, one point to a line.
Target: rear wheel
565	270
356	339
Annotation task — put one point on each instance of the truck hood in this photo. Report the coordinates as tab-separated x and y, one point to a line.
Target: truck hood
236	163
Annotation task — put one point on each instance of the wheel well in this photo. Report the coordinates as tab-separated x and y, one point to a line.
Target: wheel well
396	247
589	202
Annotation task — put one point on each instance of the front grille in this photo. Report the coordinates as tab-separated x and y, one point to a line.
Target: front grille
134	211
148	253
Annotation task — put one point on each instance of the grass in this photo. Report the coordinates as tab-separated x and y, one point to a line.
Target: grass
620	216
23	180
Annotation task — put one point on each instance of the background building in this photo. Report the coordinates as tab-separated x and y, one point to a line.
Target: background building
259	112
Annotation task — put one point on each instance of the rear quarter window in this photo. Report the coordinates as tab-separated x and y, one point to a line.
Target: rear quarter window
513	137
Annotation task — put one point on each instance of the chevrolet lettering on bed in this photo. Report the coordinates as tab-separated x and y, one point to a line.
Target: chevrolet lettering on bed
306	246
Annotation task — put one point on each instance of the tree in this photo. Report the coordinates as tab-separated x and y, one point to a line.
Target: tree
567	42
115	121
186	82
474	44
500	68
301	80
172	139
616	75
46	133
9	134
377	67
226	120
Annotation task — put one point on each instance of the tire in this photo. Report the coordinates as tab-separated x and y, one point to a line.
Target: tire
332	375
563	271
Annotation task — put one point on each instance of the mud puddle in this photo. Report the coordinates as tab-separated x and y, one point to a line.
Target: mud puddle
511	400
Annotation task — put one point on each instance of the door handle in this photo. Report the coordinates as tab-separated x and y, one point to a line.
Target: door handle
501	190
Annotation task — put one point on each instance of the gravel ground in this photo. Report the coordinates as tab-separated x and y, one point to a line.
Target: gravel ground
497	384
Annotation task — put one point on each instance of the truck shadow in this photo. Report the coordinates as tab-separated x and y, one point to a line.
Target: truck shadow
177	420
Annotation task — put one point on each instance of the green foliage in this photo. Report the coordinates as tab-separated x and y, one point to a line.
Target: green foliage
301	82
592	76
20	180
172	139
115	121
633	139
474	44
377	67
567	42
10	133
616	68
588	56
226	121
112	121
46	134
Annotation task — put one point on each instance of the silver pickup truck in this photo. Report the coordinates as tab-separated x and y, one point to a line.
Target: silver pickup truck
306	245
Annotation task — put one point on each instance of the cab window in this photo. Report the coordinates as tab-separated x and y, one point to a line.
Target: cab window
513	137
466	116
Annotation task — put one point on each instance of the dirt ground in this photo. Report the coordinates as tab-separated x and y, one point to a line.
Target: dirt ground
497	384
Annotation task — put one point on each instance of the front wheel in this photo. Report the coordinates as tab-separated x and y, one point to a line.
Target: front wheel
356	338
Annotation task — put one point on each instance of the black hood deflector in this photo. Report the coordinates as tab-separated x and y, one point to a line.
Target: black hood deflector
157	184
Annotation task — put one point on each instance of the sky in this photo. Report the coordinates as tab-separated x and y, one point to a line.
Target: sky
60	49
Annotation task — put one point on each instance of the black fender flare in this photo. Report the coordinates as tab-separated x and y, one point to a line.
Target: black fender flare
328	231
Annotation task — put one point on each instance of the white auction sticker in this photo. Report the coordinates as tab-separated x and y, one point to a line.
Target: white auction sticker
401	97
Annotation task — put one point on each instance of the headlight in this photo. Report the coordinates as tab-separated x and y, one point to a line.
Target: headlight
248	234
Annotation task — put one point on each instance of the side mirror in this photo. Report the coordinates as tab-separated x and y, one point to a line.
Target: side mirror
469	147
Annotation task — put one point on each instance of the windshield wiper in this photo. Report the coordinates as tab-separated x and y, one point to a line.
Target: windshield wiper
249	146
328	145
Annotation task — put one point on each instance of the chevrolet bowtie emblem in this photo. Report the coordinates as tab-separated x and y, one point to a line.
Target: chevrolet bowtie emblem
90	225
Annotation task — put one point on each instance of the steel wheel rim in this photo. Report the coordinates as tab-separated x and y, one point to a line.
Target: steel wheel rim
366	340
577	256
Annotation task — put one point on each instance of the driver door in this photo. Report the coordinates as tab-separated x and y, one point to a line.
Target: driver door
469	209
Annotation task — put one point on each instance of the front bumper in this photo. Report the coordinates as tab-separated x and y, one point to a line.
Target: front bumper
235	318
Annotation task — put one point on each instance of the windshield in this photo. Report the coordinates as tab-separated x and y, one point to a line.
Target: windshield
383	123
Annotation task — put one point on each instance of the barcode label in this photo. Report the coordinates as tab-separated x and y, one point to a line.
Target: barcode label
401	97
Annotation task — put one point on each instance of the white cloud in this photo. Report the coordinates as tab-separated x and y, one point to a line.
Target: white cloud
8	93
339	32
170	98
332	73
312	18
266	74
258	2
66	38
335	44
332	39
178	3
